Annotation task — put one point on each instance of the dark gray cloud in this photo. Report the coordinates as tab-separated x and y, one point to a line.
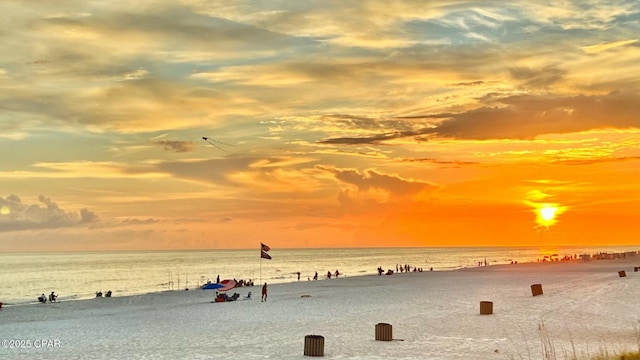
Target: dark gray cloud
596	161
137	222
377	138
372	179
528	116
17	215
523	117
470	83
440	162
175	145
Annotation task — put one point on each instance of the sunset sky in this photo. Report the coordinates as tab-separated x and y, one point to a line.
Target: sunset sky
332	124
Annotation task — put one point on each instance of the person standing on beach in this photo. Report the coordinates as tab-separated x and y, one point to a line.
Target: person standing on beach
264	292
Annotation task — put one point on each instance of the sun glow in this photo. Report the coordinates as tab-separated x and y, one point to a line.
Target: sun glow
546	213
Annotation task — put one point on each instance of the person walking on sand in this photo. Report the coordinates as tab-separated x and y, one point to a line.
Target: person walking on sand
264	292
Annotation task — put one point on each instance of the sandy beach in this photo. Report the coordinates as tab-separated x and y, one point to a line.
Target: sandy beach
586	308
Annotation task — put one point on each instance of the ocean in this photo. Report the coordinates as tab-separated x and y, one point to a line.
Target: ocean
79	275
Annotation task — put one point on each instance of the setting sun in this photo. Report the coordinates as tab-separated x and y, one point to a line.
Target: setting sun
548	213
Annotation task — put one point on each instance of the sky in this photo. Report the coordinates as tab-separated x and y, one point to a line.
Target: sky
328	124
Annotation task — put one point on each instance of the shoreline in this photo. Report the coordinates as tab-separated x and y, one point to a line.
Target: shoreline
80	277
519	266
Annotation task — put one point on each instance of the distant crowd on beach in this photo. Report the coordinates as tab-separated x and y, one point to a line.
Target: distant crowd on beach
53	297
588	257
401	268
409	268
329	275
239	283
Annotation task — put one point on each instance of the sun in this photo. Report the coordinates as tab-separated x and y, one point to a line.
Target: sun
548	213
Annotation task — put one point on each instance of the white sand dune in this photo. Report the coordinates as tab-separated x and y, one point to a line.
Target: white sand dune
586	308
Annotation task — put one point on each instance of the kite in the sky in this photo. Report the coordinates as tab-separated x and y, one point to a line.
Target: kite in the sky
215	143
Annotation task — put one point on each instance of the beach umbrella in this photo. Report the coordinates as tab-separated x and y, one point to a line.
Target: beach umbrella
228	285
223	285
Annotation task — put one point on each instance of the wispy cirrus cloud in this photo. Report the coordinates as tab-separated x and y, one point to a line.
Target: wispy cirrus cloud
592	49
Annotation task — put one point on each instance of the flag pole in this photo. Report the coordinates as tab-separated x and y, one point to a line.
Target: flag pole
260	282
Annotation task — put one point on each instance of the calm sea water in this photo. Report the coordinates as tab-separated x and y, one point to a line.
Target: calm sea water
78	275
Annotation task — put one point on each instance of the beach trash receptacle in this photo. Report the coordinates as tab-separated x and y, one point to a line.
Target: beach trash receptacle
314	345
622	273
486	307
536	289
384	332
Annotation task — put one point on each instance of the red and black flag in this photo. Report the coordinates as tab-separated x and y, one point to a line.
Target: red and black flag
263	251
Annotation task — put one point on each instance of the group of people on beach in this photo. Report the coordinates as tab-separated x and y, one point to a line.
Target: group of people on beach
404	268
315	276
52	298
221	297
407	268
329	275
239	283
107	294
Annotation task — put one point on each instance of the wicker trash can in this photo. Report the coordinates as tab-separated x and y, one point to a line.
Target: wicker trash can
314	345
486	307
536	289
622	273
384	332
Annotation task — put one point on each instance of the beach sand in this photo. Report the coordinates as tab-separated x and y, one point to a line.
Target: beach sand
586	308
